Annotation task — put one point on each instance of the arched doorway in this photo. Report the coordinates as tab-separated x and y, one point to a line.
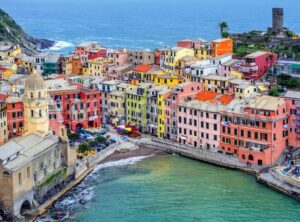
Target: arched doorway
79	126
25	207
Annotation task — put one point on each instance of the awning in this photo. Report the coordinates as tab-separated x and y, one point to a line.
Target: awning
262	88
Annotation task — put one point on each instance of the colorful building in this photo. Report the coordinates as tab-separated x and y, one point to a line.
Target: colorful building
81	107
52	64
117	104
292	100
221	47
168	80
255	130
180	93
257	64
139	57
136	105
3	122
15	116
173	55
99	66
155	110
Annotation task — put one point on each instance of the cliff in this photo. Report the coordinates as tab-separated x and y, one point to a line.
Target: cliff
11	32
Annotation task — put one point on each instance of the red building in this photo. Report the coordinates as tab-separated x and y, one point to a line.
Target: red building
257	64
97	53
80	107
256	131
186	43
15	116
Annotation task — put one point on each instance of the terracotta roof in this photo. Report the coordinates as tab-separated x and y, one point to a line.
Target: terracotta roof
143	68
206	95
212	97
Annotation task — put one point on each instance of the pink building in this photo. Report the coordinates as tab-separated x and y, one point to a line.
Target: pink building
292	99
198	120
180	93
56	119
120	57
255	130
257	64
227	67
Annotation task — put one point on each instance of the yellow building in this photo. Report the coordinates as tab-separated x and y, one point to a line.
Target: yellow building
117	103
173	55
161	111
9	51
168	79
216	83
156	110
7	70
36	106
237	74
202	53
98	67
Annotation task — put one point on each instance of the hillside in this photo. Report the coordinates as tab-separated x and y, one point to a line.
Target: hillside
11	32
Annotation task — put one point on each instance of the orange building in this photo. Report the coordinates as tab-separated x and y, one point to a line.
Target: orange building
73	65
256	130
221	47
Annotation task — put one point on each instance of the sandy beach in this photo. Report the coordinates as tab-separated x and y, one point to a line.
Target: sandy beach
126	153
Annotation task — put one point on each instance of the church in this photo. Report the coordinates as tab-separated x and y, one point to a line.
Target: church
37	162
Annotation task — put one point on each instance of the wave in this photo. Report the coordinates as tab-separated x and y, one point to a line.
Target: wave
59	45
128	161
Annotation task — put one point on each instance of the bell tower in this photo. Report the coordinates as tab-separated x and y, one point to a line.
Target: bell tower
36	105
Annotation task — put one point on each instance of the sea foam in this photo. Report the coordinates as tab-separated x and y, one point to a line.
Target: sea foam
59	45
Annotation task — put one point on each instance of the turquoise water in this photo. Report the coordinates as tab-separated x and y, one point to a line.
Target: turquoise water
143	23
172	188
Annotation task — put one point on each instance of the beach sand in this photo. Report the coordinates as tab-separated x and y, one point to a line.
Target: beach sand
126	153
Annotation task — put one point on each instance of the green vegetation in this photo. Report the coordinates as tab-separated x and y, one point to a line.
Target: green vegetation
288	81
59	173
83	147
100	139
73	136
275	91
224	28
244	50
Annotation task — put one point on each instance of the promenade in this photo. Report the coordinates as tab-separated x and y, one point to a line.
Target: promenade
211	155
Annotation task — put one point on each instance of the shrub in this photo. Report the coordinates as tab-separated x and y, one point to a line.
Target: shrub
83	147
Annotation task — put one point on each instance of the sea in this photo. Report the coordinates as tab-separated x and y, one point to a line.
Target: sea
143	24
170	188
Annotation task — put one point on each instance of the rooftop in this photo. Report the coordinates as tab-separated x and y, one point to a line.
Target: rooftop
143	68
255	54
292	94
23	149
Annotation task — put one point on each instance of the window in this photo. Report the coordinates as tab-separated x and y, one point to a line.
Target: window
28	172
20	178
32	113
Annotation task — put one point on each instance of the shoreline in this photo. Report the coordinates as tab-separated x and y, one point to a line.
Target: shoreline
121	154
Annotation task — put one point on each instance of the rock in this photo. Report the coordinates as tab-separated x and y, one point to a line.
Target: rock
12	34
82	201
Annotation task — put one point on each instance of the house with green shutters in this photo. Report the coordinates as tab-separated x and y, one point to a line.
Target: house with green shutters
136	105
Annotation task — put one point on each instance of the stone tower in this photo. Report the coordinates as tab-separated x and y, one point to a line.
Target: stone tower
36	106
278	19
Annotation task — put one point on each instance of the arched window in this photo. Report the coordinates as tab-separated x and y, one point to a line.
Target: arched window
40	94
40	113
250	157
31	95
32	113
6	174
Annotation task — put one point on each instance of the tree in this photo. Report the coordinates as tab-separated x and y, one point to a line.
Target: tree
274	92
83	147
225	34
223	27
73	136
92	143
100	139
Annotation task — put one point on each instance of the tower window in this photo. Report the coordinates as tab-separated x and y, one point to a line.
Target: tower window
40	94
40	113
31	95
32	114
